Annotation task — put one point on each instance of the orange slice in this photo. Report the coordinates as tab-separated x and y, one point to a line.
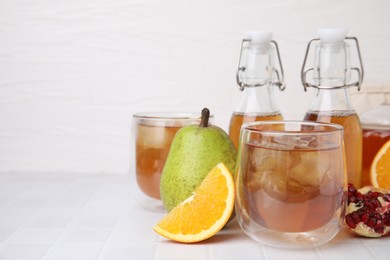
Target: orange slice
380	168
204	213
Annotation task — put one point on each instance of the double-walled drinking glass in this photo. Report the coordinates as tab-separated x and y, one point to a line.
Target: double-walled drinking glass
291	182
152	137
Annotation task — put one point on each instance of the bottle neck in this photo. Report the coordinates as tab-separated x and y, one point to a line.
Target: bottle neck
332	64
332	100
256	65
331	75
257	100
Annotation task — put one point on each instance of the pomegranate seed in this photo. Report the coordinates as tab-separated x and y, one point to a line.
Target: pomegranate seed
364	218
379	223
376	203
371	222
368	204
349	221
380	230
377	216
374	194
355	217
352	199
359	196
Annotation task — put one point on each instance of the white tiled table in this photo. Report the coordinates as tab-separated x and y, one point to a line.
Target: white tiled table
65	216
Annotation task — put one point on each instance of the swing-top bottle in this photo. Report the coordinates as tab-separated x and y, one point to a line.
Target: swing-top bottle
257	75
332	76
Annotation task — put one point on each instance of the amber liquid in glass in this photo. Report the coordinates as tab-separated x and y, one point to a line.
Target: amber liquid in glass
152	148
352	140
373	139
295	190
238	119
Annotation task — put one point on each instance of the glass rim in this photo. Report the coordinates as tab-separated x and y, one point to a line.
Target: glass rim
331	126
168	115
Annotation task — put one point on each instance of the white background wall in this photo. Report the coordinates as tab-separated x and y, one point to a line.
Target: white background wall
73	72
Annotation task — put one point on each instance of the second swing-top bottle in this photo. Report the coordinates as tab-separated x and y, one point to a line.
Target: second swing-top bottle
332	77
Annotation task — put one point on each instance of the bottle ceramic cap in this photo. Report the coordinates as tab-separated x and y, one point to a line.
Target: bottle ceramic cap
332	35
259	37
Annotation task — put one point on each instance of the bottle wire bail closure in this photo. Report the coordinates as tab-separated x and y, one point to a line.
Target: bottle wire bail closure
360	71
279	75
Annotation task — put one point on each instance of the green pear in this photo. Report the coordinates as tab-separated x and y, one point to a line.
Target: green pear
194	151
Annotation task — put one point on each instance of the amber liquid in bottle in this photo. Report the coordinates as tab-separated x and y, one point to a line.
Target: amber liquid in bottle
257	76
238	119
352	139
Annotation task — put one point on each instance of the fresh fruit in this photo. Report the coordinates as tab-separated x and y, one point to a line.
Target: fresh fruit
368	211
204	213
380	168
195	150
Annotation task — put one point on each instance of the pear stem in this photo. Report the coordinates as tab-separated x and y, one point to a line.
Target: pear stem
204	121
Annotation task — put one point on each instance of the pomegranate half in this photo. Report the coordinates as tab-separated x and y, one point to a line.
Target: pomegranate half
368	211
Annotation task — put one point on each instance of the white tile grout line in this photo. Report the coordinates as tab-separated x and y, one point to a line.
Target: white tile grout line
68	227
123	211
210	252
369	250
71	224
157	250
37	211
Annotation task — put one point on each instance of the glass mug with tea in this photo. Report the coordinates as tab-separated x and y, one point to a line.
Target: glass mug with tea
153	135
291	182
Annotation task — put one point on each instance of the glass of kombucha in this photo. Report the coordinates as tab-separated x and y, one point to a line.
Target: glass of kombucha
291	182
153	134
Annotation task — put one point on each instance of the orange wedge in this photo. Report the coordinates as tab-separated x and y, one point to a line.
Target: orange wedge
380	168
204	213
